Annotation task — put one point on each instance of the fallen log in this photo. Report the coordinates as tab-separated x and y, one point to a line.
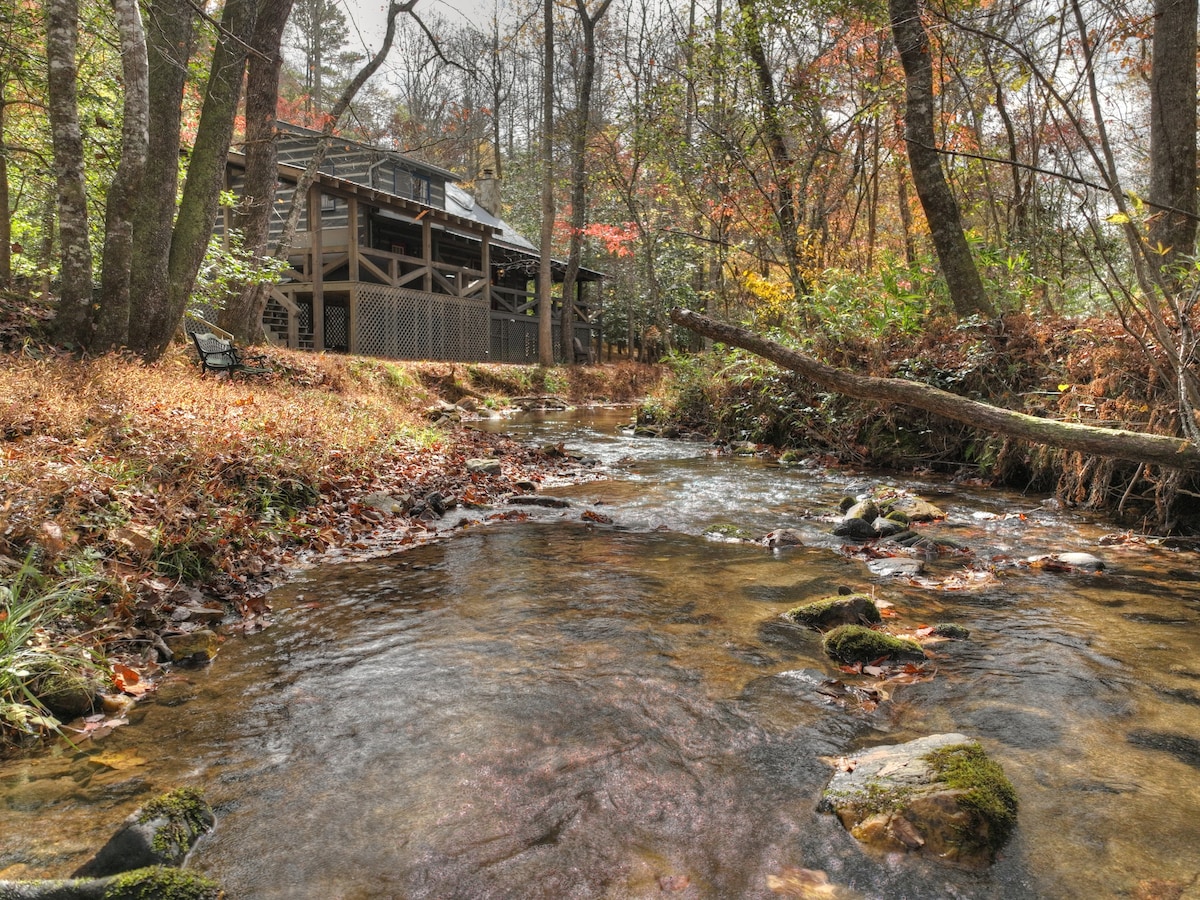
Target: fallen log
1157	449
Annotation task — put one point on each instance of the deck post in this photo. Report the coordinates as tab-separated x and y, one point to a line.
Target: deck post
318	263
427	252
485	263
352	238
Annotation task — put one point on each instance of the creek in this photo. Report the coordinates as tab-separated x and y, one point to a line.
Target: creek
566	708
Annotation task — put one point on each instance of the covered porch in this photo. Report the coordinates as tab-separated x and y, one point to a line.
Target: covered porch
377	274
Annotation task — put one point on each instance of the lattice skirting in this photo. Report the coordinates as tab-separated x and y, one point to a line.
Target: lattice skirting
403	324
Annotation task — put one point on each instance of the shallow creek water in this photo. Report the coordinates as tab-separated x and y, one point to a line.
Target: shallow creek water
561	709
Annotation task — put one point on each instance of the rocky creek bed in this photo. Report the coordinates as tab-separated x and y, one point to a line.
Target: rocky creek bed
618	697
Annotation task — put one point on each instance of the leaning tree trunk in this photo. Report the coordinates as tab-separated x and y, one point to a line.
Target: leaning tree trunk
1155	449
242	315
73	324
941	209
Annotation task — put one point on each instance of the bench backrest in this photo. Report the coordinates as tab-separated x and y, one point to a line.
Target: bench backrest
215	352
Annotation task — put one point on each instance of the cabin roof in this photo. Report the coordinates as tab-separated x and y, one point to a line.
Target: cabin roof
463	213
351	144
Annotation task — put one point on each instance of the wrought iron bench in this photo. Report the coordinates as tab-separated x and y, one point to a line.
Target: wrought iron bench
219	355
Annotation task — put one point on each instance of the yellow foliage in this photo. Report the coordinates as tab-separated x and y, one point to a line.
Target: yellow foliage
771	298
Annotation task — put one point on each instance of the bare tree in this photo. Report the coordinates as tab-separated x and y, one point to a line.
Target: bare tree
545	279
941	209
581	128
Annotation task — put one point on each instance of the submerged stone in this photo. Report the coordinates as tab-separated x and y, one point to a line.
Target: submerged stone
199	646
727	531
895	567
783	537
852	644
952	631
940	796
843	609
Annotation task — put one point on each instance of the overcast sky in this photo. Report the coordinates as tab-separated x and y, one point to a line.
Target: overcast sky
371	16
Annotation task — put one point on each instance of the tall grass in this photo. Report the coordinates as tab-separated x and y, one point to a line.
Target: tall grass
29	652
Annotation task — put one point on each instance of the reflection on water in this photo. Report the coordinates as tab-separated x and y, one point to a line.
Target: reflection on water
562	710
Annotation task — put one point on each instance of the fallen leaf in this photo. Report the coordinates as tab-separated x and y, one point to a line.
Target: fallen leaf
128	681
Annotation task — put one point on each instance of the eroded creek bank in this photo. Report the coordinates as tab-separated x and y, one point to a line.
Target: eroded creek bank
603	702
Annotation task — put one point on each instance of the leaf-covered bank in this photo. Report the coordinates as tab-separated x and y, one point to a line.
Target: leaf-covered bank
141	500
1084	372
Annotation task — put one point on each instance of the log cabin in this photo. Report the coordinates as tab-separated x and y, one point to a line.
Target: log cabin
394	259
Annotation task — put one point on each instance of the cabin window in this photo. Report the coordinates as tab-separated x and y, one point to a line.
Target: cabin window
420	189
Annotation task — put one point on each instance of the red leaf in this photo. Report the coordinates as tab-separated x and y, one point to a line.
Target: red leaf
128	680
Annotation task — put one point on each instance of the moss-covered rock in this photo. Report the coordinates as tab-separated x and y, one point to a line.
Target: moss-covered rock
727	531
914	508
867	509
983	787
940	795
842	609
162	883
196	647
852	644
855	528
162	832
68	693
151	883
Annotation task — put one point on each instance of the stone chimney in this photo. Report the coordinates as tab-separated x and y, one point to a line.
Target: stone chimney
488	191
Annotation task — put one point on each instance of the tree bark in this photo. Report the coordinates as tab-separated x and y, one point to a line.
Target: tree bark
5	219
941	209
205	178
74	322
579	141
242	316
545	278
112	325
170	33
1155	449
1173	129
